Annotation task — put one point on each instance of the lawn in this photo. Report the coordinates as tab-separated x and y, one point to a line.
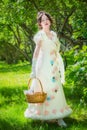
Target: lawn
13	80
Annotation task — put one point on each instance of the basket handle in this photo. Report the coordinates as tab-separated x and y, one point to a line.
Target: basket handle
39	83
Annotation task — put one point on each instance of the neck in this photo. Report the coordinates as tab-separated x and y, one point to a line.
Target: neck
47	31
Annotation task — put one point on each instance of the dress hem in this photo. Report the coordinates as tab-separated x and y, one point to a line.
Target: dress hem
41	117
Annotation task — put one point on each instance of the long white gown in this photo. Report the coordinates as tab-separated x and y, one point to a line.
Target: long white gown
48	71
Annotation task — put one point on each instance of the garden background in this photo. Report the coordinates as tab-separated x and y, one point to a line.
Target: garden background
17	27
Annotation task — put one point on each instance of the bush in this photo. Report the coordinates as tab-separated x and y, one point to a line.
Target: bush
76	71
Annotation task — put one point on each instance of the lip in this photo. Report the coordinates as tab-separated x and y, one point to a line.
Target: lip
46	24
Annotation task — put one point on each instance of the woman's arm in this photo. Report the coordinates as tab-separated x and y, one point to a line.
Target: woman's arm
37	49
34	59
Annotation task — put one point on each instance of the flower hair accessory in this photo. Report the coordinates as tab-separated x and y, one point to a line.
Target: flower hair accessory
40	13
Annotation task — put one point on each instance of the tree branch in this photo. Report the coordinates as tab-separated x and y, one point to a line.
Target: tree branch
67	17
33	2
13	32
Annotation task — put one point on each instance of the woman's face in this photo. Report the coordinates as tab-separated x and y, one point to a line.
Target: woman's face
45	22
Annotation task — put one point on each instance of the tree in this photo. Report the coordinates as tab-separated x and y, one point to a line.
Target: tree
18	25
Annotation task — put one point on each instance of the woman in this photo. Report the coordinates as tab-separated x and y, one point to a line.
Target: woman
46	65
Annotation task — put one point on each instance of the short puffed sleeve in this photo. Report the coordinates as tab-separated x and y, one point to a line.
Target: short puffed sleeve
37	37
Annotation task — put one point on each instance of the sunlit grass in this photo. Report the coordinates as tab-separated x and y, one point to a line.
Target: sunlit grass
13	80
14	75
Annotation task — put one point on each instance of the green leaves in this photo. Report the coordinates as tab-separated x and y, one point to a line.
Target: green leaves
76	72
18	25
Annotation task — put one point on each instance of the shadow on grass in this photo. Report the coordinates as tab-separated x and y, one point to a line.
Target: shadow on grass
70	122
12	94
14	67
16	94
41	125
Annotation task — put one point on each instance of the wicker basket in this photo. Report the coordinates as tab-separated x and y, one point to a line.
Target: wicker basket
36	97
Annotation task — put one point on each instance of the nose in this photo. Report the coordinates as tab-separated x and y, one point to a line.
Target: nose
45	20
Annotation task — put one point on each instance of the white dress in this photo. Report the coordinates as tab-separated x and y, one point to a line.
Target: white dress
50	73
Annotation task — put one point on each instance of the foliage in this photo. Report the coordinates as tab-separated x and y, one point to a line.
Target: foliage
76	72
18	25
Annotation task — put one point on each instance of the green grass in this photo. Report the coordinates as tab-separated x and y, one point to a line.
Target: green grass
13	80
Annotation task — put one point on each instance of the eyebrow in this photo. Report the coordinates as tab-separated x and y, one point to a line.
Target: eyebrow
44	18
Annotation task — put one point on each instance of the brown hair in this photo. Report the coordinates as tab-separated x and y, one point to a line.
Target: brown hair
39	17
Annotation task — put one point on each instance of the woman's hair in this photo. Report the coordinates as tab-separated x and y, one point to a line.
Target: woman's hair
39	18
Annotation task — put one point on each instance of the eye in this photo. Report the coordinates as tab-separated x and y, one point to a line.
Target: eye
44	19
